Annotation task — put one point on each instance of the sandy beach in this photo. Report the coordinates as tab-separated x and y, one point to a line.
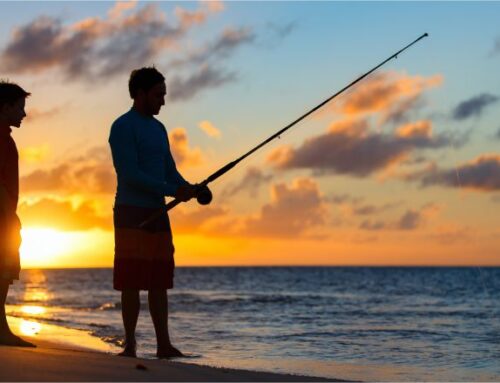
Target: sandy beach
64	360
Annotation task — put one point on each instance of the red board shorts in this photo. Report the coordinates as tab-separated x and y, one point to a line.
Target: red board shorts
144	257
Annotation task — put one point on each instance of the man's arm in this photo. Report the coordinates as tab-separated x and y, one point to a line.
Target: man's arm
185	190
125	160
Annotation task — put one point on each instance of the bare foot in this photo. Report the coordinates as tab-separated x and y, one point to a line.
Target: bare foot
129	351
169	352
13	340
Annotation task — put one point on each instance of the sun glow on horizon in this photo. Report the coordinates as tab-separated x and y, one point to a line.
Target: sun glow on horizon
45	247
42	246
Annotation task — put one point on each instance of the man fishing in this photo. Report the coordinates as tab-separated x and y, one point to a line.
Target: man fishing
146	174
12	103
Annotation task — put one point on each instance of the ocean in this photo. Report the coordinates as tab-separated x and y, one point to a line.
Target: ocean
357	323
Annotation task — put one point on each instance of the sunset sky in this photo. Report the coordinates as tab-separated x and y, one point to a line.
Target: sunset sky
404	169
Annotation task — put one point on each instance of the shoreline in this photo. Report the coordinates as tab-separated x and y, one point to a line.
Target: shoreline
67	359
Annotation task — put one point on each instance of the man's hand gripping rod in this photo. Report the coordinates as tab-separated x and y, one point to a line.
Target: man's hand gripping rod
232	164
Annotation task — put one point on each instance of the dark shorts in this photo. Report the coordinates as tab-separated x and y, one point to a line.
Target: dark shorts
144	257
10	240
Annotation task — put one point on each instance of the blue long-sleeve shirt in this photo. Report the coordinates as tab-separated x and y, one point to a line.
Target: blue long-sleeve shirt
145	169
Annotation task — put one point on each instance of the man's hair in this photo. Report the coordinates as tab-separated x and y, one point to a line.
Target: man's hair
145	79
10	93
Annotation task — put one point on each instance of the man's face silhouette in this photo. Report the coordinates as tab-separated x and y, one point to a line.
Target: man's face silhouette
155	98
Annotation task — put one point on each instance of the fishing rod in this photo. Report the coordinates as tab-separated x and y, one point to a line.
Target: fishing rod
204	197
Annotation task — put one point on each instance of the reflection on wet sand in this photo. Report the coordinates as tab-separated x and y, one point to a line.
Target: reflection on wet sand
34	331
29	328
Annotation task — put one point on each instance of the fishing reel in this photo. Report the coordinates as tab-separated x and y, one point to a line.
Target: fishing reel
203	195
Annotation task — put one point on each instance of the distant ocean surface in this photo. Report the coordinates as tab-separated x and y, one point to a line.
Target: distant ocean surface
337	322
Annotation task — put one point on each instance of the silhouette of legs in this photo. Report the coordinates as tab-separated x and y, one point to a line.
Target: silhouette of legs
7	338
131	306
158	308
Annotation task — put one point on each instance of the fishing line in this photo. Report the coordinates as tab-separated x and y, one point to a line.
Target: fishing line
232	164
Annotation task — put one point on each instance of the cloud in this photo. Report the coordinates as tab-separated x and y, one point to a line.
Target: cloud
121	7
206	77
390	94
411	219
251	182
496	47
473	106
221	48
179	145
372	225
90	173
63	215
498	134
451	233
349	148
282	31
356	206
343	198
209	129
195	220
97	47
34	154
294	210
368	209
480	174
213	5
34	114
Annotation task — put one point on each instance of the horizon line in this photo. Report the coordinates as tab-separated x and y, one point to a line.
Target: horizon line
279	266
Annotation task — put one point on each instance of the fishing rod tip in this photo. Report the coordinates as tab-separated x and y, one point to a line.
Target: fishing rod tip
426	34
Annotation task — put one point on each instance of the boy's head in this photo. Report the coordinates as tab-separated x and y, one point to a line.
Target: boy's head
147	88
12	102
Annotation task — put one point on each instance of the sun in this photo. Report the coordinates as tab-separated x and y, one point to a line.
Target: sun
42	246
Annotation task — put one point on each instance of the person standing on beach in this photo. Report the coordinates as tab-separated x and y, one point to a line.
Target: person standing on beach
146	174
12	103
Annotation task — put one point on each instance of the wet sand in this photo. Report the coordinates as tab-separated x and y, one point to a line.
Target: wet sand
65	361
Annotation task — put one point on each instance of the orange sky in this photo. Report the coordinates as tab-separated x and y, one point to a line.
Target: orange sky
391	173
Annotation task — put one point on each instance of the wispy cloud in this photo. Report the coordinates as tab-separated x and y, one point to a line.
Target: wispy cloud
221	48
120	7
209	129
185	88
411	219
391	95
214	5
34	154
283	30
473	106
91	172
97	47
63	215
350	148
183	154
195	219
496	47
34	114
480	174
251	182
